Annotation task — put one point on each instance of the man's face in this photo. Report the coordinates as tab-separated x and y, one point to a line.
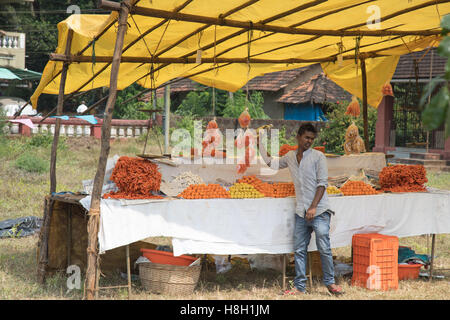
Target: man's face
306	140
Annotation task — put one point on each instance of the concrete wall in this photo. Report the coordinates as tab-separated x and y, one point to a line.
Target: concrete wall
12	49
274	109
231	123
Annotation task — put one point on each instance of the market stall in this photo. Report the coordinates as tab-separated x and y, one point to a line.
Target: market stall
224	45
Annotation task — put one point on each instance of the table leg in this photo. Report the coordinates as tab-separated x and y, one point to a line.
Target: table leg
128	271
433	241
310	270
284	272
69	236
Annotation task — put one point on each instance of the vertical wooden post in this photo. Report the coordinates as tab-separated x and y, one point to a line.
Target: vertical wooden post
433	243
166	118
128	270
69	235
59	109
94	212
283	280
48	210
365	116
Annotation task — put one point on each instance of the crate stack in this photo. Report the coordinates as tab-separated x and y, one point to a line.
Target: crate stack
375	261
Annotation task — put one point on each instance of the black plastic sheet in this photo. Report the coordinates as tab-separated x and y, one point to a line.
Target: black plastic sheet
20	227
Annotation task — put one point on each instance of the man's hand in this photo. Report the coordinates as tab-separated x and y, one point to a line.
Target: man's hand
310	213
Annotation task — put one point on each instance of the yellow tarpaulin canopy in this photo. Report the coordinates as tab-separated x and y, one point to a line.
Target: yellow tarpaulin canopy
161	37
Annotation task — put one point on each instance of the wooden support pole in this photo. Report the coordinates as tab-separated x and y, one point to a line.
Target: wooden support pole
128	270
433	244
178	16
166	118
95	105
59	109
43	240
69	235
365	116
94	212
192	60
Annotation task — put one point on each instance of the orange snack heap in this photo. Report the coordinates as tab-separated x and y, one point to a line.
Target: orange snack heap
357	188
283	189
204	191
403	178
265	188
136	178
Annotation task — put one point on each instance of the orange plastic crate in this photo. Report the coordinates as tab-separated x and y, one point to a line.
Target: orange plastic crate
408	271
375	261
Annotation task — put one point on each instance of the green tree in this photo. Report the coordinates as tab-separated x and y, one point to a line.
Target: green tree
437	111
130	109
200	102
332	134
237	104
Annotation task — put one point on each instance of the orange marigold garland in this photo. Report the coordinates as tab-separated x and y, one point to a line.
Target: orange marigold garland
285	148
403	178
136	179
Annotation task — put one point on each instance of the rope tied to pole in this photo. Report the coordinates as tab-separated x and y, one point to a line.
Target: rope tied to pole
94	212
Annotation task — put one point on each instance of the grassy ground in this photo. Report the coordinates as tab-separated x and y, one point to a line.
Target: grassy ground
23	193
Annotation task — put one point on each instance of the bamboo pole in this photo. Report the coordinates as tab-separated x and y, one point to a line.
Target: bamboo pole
156	13
433	244
365	116
127	252
94	212
59	109
43	240
192	60
95	105
166	118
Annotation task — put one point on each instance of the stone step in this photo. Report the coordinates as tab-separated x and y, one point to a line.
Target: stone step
424	162
437	168
426	156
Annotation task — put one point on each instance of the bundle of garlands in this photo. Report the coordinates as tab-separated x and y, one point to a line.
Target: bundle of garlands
136	179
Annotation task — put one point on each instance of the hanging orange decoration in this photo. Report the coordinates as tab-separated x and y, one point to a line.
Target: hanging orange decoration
212	124
387	89
244	119
353	108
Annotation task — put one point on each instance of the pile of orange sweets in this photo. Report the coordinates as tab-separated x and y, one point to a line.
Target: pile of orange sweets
204	191
357	188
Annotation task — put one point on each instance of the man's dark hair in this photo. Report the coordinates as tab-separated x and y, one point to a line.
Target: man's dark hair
306	127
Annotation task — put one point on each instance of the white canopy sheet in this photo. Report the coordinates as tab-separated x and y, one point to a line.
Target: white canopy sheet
254	226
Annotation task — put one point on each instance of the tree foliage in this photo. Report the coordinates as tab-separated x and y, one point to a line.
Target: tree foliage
437	110
332	135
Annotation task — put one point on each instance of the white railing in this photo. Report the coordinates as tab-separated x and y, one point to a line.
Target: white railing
72	130
12	41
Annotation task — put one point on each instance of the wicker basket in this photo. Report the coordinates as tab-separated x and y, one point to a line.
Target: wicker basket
169	279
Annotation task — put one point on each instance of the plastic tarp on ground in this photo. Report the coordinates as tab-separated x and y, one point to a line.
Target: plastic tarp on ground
20	227
166	41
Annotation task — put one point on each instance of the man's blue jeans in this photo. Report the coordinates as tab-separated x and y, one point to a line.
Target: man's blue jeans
302	235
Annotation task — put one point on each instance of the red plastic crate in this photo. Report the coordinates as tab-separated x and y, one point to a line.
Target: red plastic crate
375	261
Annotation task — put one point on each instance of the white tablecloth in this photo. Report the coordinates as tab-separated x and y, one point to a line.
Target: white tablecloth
253	226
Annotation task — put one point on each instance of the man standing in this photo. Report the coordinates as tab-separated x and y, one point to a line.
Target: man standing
308	168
